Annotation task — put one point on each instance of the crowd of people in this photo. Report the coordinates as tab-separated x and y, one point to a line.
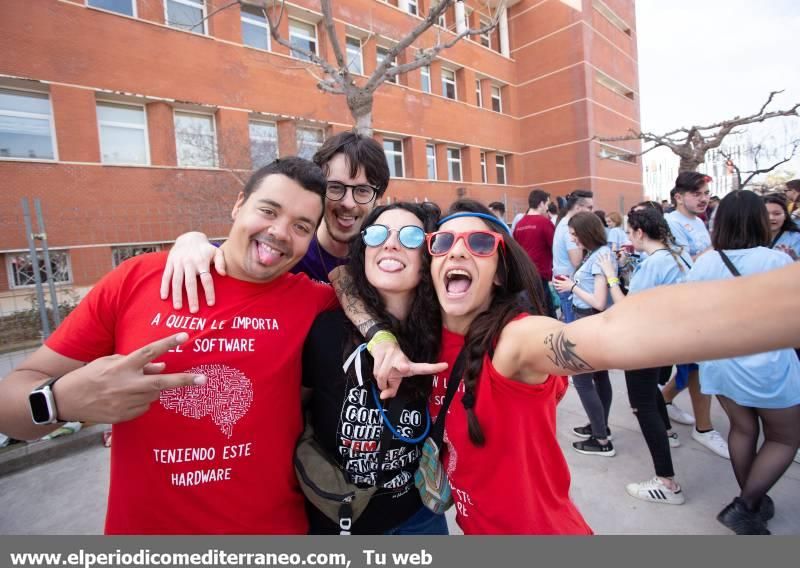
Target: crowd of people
275	407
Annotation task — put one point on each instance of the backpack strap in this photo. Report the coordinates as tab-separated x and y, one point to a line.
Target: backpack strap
728	263
437	430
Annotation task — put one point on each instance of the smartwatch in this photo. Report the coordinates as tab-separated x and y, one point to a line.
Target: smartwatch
43	403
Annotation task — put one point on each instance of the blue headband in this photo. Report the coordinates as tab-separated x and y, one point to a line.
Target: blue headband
491	218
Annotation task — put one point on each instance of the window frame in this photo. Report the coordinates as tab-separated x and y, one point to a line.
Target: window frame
486	36
114	249
484	172
448	81
133	8
40	256
250	122
609	152
478	93
378	60
245	18
143	127
425	72
315	39
308	129
431	157
498	98
192	4
500	165
360	54
49	118
394	153
415	4
451	161
213	118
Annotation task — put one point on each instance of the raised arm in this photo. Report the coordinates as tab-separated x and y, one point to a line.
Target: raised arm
190	257
611	275
662	326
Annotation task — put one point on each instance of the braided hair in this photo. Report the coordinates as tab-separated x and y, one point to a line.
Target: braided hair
517	277
654	225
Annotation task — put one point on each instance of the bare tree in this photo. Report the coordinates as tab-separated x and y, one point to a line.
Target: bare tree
691	144
336	77
756	154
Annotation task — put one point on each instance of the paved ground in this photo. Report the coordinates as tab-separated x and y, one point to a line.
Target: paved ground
67	496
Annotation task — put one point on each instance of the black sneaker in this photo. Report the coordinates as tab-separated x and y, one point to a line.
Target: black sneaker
586	432
766	509
741	520
592	447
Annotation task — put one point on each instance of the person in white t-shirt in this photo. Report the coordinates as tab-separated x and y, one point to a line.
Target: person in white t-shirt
691	196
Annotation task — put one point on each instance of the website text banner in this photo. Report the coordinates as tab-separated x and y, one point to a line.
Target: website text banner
392	552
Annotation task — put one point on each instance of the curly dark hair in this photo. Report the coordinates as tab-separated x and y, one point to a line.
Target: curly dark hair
654	225
419	335
518	277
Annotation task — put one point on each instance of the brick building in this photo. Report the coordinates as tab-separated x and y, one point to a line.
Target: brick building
132	123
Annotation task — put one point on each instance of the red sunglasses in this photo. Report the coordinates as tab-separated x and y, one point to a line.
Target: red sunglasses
479	243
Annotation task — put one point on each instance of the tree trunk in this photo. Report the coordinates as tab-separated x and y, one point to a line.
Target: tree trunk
360	105
689	164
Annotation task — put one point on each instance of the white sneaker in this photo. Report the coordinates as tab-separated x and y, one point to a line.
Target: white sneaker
674	441
713	441
676	414
654	490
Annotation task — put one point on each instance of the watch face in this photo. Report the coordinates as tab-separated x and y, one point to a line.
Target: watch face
40	409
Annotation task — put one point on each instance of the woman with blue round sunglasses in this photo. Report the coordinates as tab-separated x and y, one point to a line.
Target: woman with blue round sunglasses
410	236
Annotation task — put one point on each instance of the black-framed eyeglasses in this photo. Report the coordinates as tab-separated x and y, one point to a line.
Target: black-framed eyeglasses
362	193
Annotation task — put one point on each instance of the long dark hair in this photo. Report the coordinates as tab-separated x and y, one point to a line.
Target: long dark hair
741	222
420	334
788	226
590	231
654	225
517	276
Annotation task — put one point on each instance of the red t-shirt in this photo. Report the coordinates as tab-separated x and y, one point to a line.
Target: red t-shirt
535	234
518	482
208	459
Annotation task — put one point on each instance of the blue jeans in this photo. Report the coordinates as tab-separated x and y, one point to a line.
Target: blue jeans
423	521
567	315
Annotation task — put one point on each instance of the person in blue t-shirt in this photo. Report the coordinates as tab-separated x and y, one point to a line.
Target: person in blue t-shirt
588	292
664	265
691	196
566	254
784	234
754	390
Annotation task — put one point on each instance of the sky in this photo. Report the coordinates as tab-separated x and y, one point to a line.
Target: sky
701	61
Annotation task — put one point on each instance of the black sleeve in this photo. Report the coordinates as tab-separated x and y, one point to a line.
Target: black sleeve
322	350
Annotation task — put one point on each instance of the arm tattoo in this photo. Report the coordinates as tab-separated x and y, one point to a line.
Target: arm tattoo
564	355
363	328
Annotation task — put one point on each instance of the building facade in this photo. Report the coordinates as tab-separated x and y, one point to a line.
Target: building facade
135	120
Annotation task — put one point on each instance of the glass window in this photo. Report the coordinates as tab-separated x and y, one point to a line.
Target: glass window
449	83
302	36
25	125
394	155
21	270
497	99
354	57
478	94
119	6
263	143
187	15
123	134
195	139
500	162
454	163
430	157
121	254
413	7
382	54
425	74
255	31
442	20
483	167
486	37
308	142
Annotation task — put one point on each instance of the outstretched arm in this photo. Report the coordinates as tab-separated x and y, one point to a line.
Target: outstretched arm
190	257
665	325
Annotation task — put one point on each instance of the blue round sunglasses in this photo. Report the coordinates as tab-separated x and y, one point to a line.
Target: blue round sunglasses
410	236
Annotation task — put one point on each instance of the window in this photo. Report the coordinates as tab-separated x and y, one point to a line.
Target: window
195	139
500	163
478	94
483	167
120	6
382	54
302	36
186	15
308	142
394	155
26	129
614	85
413	7
486	37
442	20
255	31
449	83
121	254
497	99
618	154
355	60
21	270
612	17
263	143
430	158
425	74
454	164
123	134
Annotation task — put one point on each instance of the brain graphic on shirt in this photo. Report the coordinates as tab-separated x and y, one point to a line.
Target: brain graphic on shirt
226	397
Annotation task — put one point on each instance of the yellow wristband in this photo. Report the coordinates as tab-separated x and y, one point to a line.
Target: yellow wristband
613	282
381	337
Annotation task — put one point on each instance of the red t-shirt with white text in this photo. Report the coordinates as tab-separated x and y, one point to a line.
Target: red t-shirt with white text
518	481
208	459
535	234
